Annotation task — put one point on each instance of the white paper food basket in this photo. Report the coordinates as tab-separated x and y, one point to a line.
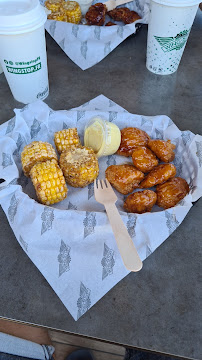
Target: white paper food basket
71	242
87	45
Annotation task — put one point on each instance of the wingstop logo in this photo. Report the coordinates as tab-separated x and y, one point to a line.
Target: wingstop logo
173	43
25	70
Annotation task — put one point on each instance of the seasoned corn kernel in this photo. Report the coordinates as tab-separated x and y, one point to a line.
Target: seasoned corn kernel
57	16
66	138
53	5
35	152
47	192
79	166
72	11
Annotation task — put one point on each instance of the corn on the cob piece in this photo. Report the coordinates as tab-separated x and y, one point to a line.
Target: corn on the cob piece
49	182
72	11
79	166
57	16
35	152
66	138
54	5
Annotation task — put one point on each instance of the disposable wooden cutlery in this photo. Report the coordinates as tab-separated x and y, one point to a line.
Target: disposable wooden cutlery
104	194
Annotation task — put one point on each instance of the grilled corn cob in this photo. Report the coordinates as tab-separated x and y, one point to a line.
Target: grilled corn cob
54	5
57	16
66	138
79	166
35	152
49	182
72	11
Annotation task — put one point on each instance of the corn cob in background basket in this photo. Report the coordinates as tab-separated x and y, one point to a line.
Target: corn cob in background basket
61	10
54	5
56	16
66	138
72	12
49	182
35	152
79	165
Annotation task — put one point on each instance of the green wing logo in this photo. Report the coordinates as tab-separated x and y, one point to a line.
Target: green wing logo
173	43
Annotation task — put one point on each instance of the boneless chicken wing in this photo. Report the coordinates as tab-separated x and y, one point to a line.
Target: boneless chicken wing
124	178
164	150
144	159
96	14
130	138
158	175
110	23
171	192
140	201
124	14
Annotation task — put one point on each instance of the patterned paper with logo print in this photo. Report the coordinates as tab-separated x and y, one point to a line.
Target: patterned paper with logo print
88	45
71	242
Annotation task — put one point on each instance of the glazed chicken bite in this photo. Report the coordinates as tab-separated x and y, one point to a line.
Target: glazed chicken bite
140	201
96	14
158	175
124	178
164	150
171	192
124	14
130	138
144	159
110	23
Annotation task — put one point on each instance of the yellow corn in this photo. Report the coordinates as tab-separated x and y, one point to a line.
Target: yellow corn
72	11
35	152
56	16
49	182
53	5
66	138
79	166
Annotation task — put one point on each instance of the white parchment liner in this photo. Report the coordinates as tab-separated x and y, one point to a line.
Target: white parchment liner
72	243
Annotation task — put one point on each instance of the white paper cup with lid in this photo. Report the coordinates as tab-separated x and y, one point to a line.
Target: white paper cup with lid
168	30
102	136
23	49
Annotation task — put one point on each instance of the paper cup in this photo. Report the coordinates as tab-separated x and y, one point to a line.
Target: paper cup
168	30
23	49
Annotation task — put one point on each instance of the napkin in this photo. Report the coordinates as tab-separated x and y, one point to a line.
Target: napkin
87	45
71	242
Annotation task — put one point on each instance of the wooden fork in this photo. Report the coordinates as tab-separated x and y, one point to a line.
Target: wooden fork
105	195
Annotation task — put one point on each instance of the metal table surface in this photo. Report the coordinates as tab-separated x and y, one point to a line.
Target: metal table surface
158	308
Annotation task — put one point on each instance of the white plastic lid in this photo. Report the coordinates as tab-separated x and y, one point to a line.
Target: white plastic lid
178	3
20	16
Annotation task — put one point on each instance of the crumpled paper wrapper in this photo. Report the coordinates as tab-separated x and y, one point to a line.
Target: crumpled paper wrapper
87	45
72	243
